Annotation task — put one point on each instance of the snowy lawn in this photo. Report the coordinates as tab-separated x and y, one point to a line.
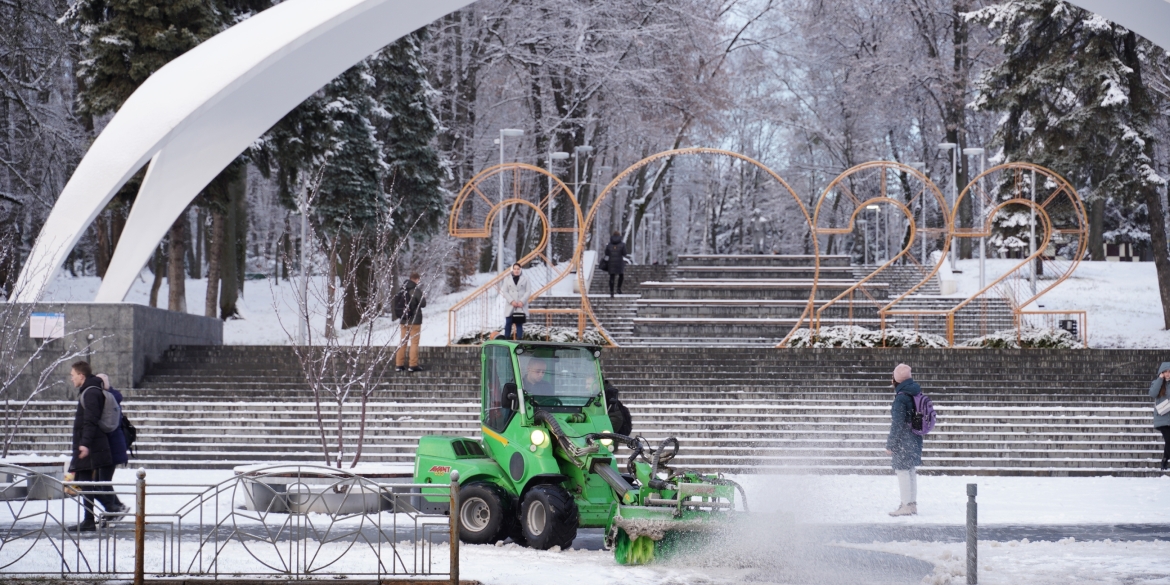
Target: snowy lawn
1122	300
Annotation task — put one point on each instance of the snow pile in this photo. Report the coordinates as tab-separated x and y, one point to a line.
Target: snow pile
1030	338
539	333
853	336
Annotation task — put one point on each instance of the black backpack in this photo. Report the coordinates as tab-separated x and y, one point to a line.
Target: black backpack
398	304
131	434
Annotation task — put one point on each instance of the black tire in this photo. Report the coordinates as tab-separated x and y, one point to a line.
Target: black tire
548	517
483	508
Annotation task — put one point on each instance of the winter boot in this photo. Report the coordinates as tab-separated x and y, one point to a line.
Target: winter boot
1165	462
913	508
904	510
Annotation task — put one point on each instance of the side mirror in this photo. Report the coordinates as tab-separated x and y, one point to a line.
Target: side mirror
511	400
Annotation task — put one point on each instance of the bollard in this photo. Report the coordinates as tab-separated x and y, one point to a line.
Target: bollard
454	527
972	536
140	529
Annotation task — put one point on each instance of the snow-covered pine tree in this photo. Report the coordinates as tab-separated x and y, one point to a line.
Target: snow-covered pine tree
1076	78
1065	76
407	128
351	204
123	42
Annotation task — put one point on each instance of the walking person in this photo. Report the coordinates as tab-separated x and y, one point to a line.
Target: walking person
411	323
615	262
92	460
1160	392
514	291
119	451
904	447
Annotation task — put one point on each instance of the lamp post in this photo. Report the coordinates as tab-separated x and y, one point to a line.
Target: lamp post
1032	223
504	133
954	148
303	323
877	225
979	214
921	167
551	157
578	152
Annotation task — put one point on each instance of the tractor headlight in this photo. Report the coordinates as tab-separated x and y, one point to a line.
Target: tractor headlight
608	443
539	437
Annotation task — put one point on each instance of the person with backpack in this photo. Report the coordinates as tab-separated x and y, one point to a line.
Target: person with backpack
514	291
1160	392
411	302
904	445
92	459
615	261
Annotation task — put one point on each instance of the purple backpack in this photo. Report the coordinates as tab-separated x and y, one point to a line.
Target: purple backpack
923	418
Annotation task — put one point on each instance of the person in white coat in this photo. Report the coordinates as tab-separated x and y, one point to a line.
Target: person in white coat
514	291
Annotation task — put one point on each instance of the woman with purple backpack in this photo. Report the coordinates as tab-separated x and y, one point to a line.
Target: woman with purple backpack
903	444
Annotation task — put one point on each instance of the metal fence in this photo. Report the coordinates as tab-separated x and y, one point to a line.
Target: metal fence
298	521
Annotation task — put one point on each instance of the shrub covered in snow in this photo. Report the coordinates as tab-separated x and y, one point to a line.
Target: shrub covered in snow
853	336
539	333
1029	338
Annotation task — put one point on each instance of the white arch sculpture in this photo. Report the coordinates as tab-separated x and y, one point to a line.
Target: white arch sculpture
196	114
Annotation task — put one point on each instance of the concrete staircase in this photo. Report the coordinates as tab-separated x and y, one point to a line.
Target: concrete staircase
738	410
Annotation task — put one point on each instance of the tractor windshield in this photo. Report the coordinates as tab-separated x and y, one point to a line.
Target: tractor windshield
559	376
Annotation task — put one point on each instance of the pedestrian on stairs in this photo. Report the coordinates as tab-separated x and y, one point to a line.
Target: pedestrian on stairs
514	291
411	323
1160	392
904	446
615	262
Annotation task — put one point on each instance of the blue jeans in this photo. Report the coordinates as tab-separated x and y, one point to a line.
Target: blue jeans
508	328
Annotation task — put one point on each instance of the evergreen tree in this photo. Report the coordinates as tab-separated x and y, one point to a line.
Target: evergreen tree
124	42
1076	78
1065	78
407	130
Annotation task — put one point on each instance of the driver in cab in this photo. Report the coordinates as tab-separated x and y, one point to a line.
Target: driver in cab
534	382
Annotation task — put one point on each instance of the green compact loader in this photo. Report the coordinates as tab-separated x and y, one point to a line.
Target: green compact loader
547	463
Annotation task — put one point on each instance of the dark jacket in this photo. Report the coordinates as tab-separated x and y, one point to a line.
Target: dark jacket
85	428
616	252
415	301
117	439
1160	420
906	446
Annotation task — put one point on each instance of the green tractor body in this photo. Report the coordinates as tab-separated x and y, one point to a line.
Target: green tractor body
546	463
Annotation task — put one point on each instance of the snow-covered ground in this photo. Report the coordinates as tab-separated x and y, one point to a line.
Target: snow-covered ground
1122	300
768	552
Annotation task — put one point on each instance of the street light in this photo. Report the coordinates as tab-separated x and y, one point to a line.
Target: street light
551	157
877	224
979	213
504	133
954	148
921	167
578	152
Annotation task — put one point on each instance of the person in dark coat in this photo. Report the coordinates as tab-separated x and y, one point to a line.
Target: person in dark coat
904	447
411	323
92	460
119	450
1159	391
615	262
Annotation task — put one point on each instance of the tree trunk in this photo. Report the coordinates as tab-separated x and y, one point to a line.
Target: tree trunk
176	269
215	242
229	253
331	293
195	246
1097	229
105	248
160	265
1158	242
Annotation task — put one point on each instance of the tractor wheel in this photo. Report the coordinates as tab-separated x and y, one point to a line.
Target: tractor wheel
548	517
482	510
